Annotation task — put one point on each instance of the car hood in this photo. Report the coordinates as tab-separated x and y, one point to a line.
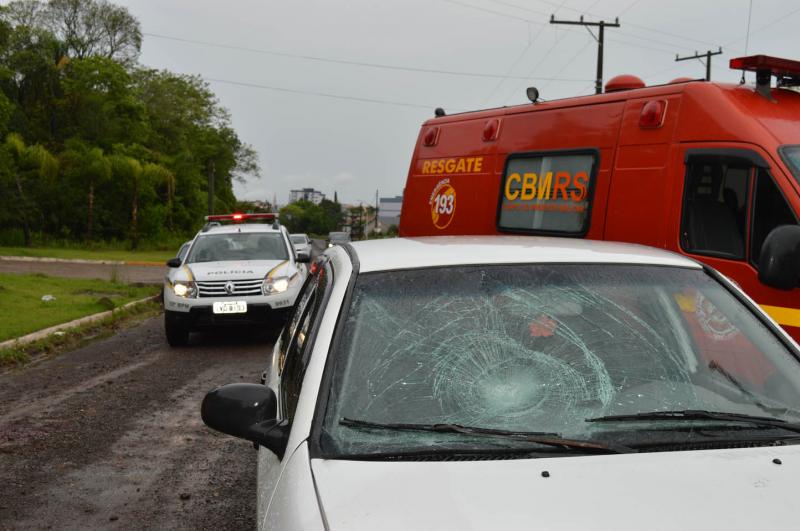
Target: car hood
709	489
237	270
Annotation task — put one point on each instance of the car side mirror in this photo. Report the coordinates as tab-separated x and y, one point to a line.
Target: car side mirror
303	258
779	263
174	262
247	411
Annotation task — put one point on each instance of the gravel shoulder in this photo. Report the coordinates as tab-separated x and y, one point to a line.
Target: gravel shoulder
110	436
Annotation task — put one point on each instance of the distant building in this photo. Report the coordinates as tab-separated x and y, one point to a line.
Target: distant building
389	210
306	194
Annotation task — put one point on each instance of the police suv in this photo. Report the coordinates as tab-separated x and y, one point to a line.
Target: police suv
241	272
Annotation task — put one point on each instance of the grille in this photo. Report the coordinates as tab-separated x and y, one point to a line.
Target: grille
216	288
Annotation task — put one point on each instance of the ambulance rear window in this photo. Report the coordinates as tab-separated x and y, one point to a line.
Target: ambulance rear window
547	193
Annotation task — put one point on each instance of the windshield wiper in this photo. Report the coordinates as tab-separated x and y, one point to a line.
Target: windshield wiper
544	438
699	414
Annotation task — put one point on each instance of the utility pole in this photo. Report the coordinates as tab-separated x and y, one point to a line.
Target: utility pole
602	25
707	55
210	187
376	210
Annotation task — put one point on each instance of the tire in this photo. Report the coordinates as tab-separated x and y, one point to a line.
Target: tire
177	331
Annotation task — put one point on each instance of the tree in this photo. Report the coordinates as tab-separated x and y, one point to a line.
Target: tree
88	168
94	28
32	169
99	105
333	215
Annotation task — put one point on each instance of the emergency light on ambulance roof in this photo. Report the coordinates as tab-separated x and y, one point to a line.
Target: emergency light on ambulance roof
775	65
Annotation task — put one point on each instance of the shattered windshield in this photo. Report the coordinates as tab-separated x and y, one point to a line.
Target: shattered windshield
541	349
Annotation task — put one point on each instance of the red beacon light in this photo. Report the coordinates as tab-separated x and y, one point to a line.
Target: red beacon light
239	217
653	113
786	71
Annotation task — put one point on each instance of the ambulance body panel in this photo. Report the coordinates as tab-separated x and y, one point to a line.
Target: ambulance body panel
605	167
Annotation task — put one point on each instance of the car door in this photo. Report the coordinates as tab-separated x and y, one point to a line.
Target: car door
290	358
731	200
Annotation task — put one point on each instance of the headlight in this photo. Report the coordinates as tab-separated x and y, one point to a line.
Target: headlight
273	285
330	245
186	289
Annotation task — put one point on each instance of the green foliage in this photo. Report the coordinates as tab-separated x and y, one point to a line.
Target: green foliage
304	216
96	147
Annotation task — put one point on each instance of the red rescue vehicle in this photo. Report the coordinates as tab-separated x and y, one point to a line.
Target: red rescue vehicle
709	170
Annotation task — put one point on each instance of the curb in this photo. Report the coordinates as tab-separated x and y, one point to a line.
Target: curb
79	261
40	334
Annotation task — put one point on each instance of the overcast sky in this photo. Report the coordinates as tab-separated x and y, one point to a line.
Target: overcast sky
357	147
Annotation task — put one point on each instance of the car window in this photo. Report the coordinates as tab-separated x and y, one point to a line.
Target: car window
297	338
770	210
542	348
298	238
183	250
791	155
715	203
547	193
239	246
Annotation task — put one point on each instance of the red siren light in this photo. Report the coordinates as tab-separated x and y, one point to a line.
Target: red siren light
242	217
652	115
491	130
624	82
431	137
776	65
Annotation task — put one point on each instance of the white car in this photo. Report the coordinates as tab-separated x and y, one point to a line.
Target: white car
521	383
244	273
301	243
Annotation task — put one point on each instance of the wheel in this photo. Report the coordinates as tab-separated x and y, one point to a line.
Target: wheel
177	331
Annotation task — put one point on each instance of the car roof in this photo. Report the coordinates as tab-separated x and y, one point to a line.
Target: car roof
410	253
240	227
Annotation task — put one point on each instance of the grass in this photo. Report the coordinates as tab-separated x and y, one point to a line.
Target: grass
23	311
79	336
91	253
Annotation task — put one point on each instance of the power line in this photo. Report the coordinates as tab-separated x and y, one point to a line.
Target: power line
586	12
339	61
320	94
498	13
537	65
765	26
511	68
672	45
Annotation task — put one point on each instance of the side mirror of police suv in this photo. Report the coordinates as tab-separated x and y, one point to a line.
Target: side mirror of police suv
779	263
303	258
174	262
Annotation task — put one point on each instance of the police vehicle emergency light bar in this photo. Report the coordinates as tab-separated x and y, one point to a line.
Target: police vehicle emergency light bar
217	219
242	217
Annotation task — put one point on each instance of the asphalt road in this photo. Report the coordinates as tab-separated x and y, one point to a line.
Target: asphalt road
110	436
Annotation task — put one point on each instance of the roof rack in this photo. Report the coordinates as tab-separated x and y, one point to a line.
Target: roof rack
217	219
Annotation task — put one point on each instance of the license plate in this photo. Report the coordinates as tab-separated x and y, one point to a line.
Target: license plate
230	307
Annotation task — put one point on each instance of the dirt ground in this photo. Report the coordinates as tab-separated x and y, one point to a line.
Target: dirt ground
110	436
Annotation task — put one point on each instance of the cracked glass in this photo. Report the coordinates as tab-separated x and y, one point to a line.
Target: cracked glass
542	348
